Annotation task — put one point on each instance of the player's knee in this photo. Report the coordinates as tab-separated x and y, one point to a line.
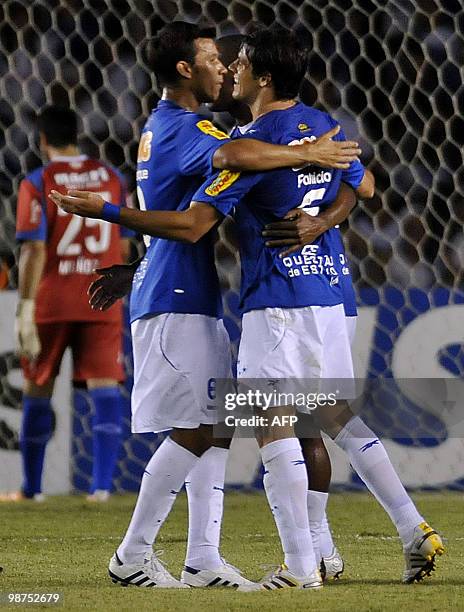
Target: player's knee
266	435
193	440
222	442
311	445
332	419
306	428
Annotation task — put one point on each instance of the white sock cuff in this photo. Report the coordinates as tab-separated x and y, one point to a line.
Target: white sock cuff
355	428
319	495
317	503
276	448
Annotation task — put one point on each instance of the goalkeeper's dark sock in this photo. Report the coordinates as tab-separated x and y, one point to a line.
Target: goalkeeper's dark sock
36	431
106	428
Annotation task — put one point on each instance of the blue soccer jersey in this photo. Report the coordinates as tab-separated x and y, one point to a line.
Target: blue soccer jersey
311	276
175	154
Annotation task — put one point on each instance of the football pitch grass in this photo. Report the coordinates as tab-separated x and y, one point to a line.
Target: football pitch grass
64	545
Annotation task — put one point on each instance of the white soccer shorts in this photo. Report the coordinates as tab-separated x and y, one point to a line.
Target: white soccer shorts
286	346
176	359
351	327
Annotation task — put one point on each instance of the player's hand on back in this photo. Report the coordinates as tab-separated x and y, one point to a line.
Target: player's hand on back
27	337
328	153
295	230
114	283
82	203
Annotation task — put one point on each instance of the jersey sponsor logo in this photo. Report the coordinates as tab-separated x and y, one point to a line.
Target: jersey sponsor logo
314	178
144	150
303	127
223	181
82	178
208	128
299	141
142	175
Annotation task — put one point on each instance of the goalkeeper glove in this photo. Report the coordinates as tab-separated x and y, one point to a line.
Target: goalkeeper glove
27	336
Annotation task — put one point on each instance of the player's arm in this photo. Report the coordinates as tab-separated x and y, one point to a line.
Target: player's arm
31	231
254	155
360	178
299	228
32	258
213	200
185	226
366	188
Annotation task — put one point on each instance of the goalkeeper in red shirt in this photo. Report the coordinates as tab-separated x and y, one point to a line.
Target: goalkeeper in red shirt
58	255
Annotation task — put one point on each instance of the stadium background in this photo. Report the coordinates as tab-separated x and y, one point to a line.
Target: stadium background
389	70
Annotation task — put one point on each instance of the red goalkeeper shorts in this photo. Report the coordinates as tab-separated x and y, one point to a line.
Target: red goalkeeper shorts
96	351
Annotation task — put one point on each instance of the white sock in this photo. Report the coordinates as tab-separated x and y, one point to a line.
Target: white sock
205	491
370	460
326	543
286	484
162	480
317	503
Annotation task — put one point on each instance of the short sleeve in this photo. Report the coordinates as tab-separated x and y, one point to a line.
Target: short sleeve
31	218
199	140
225	189
353	175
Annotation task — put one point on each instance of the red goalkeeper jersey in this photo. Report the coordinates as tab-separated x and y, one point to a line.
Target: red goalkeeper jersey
75	246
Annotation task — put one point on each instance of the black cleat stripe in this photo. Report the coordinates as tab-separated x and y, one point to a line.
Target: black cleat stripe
225	583
151	584
266	586
141	581
118	560
276	584
116	578
133	576
285	581
426	537
190	570
214	582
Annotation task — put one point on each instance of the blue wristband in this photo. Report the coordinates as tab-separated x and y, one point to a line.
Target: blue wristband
111	213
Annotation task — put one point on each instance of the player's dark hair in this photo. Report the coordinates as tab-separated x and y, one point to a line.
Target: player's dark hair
174	43
59	125
280	53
